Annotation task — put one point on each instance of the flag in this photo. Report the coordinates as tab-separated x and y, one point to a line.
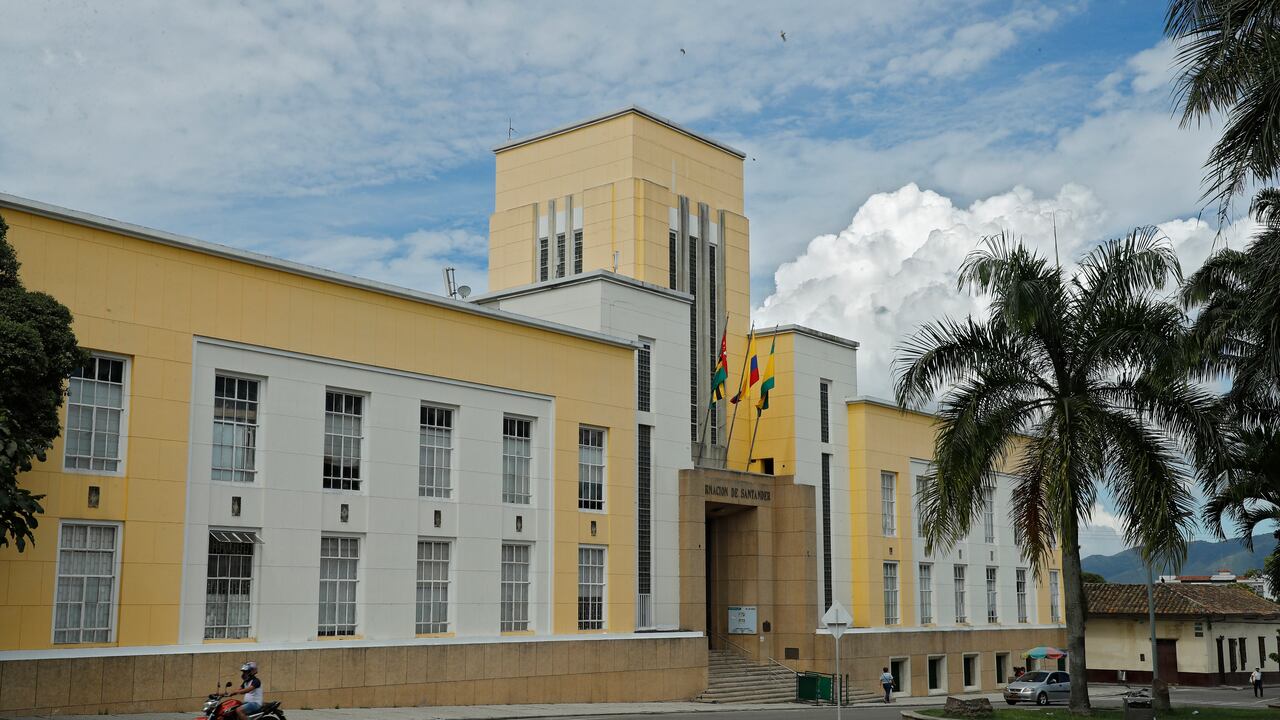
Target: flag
767	383
721	375
752	376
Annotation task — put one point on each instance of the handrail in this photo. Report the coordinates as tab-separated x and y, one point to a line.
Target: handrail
725	638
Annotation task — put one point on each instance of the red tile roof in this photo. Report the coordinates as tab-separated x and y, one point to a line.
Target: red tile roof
1175	599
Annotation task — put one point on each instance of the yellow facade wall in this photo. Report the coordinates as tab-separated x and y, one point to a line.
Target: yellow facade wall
147	301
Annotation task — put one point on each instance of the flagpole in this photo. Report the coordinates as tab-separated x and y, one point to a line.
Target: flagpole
746	350
711	406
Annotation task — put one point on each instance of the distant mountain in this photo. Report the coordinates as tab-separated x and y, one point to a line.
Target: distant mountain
1203	558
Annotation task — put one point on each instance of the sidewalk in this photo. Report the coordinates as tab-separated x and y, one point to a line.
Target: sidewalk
470	712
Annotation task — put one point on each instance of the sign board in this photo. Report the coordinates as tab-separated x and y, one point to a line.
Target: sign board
742	619
837	619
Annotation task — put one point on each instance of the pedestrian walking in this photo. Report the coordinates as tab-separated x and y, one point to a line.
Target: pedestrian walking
886	682
1256	680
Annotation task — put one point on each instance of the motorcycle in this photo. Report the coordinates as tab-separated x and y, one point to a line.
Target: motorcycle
221	707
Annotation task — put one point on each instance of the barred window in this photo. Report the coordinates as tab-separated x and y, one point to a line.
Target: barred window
1055	609
86	595
95	412
435	451
515	588
339	565
673	241
560	255
590	588
824	412
644	375
826	531
891	593
644	510
577	251
543	258
695	402
517	454
590	468
227	600
926	593
1021	588
343	437
235	428
433	587
922	488
989	514
993	596
713	334
960	580
888	503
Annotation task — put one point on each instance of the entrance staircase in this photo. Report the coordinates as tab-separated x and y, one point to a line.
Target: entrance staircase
732	678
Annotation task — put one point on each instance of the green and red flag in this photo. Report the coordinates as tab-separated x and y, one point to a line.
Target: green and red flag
721	375
767	383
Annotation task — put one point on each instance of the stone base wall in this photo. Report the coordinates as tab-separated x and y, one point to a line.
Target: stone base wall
603	670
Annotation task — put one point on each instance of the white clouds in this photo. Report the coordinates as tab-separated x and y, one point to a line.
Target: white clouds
1103	534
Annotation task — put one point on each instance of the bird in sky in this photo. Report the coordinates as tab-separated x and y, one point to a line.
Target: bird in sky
783	33
682	52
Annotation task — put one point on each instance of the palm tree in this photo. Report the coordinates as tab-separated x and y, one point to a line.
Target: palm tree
1076	382
1229	55
1236	336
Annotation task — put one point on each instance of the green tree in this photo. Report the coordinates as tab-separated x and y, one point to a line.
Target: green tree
38	352
1073	382
1229	57
1092	577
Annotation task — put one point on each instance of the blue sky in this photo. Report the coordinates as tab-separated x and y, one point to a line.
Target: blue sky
884	138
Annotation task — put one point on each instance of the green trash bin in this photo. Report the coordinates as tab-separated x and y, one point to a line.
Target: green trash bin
813	687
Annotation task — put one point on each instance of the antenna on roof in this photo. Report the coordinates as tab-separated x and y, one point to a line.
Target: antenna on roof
452	287
511	132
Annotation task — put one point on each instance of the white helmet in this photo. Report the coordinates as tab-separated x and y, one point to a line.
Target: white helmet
250	666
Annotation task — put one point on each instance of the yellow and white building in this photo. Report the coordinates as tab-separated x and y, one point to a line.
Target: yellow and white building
392	498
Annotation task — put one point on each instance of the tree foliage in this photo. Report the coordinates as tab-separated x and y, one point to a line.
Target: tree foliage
1092	577
1073	382
38	351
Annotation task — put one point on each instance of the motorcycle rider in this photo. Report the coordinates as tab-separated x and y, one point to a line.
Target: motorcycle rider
251	688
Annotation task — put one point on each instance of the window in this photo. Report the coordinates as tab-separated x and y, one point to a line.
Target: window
590	588
85	603
560	255
517	454
959	580
695	402
433	587
1021	588
435	451
343	436
227	601
644	373
235	428
1054	607
824	413
713	332
515	588
891	593
577	251
590	468
1002	668
95	412
988	515
993	598
970	671
937	674
339	562
673	242
926	593
888	491
644	510
543	258
1244	653
826	531
1262	651
922	488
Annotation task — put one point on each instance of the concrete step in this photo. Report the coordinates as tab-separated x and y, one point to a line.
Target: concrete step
732	678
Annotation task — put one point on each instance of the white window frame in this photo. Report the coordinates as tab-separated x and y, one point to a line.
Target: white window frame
115	583
362	442
588	470
527	583
892	604
256	426
355	625
127	377
447	582
436	491
960	576
989	515
513	496
889	503
1020	588
1055	605
993	594
591	624
925	571
644	375
254	573
922	484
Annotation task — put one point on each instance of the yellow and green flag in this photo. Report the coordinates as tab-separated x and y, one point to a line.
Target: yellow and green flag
752	376
766	380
